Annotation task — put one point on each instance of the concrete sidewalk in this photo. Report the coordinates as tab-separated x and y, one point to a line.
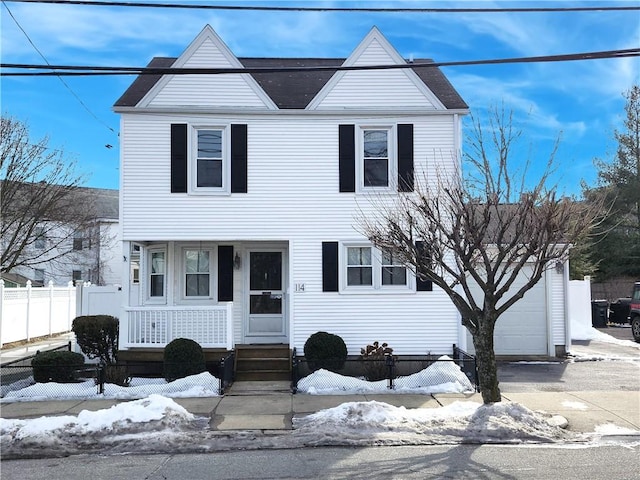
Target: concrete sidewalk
10	355
269	406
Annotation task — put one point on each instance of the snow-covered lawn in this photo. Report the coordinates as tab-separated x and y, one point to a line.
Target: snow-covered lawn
445	372
201	385
443	376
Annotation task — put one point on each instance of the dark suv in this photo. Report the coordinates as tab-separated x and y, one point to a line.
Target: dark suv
634	312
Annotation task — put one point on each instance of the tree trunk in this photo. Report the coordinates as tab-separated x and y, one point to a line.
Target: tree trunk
486	360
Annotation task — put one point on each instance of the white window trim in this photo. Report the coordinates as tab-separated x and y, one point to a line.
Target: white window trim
393	159
146	275
213	273
376	287
192	168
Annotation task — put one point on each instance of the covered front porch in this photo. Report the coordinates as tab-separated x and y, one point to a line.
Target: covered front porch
219	294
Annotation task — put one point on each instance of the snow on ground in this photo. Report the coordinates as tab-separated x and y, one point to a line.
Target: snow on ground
158	424
471	422
448	375
200	385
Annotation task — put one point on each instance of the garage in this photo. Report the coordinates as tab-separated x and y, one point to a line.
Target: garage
522	330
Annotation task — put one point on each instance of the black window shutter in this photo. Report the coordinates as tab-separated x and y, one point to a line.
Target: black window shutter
422	285
238	158
225	273
329	266
347	157
405	157
178	158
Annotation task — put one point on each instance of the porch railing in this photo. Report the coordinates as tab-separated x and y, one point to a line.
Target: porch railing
211	326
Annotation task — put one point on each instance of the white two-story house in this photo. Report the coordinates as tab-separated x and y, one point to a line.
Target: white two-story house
240	193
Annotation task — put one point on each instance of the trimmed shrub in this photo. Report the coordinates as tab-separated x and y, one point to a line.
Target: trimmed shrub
183	357
375	357
97	336
325	350
58	366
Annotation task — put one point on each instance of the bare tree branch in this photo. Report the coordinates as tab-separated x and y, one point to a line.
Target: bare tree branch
490	229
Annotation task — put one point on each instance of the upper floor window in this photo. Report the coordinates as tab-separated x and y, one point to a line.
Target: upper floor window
375	158
376	168
210	160
40	238
77	240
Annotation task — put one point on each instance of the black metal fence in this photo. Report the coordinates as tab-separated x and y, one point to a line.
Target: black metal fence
116	380
415	373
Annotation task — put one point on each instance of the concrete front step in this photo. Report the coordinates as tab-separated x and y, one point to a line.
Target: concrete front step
262	375
261	387
246	364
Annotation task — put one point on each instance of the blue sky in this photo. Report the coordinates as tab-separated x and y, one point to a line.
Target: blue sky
581	102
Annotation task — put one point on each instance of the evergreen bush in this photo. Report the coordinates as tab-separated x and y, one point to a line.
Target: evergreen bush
97	337
183	357
325	350
57	366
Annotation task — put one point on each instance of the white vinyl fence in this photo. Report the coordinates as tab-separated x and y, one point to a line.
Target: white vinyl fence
30	312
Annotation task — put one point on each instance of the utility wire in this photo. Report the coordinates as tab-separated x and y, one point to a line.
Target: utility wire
79	70
330	9
75	95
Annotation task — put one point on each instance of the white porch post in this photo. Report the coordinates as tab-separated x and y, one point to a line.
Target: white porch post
230	326
125	281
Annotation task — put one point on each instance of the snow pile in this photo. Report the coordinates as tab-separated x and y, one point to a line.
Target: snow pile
200	385
445	372
156	412
360	422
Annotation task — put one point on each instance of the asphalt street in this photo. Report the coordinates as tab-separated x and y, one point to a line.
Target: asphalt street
410	462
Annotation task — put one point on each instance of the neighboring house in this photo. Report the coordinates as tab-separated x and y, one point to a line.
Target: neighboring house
92	255
240	192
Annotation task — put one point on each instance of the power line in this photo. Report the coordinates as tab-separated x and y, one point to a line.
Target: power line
75	95
330	9
79	70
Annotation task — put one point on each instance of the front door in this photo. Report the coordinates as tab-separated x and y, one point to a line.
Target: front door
266	319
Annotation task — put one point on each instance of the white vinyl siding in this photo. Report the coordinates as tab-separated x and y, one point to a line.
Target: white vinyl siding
293	196
209	90
292	180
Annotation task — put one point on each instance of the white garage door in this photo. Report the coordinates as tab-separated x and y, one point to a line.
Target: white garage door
521	330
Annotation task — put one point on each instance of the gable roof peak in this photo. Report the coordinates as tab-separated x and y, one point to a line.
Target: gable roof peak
207	34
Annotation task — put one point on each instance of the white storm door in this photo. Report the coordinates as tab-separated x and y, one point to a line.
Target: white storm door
266	319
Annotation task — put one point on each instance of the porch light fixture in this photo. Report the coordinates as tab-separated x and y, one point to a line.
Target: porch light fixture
237	261
559	267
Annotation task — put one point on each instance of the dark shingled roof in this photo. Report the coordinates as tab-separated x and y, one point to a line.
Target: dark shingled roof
294	90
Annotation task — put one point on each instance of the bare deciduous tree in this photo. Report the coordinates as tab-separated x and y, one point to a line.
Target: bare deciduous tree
489	229
44	210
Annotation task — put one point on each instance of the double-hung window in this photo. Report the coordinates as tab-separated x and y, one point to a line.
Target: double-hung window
368	269
197	273
40	238
359	266
157	274
210	160
375	158
376	168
